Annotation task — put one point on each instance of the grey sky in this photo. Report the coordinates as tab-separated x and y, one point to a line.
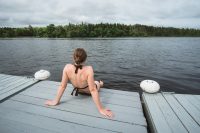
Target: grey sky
175	13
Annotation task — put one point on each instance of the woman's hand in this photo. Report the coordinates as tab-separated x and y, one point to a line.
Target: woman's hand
107	113
51	102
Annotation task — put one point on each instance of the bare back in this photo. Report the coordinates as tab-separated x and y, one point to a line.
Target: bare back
78	79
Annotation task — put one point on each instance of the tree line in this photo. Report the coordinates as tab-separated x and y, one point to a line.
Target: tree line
98	30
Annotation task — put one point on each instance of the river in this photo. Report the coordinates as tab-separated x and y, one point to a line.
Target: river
122	63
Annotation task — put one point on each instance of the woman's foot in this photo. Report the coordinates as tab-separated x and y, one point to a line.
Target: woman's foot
101	83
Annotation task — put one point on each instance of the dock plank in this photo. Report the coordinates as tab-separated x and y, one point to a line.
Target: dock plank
51	89
84	109
84	98
13	84
197	97
193	100
78	105
156	117
126	93
173	121
190	108
17	89
100	123
48	87
10	126
106	97
12	81
3	76
54	125
183	115
175	111
8	79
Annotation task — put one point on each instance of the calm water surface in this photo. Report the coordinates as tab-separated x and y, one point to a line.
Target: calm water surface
122	63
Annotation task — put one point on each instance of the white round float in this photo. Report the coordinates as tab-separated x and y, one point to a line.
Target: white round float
42	75
150	86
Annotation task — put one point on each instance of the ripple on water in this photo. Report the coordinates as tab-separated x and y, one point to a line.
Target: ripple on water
122	63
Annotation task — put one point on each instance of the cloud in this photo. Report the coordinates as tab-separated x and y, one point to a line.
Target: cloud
179	13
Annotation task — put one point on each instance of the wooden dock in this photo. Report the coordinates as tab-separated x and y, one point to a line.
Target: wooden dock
26	112
22	109
10	85
172	113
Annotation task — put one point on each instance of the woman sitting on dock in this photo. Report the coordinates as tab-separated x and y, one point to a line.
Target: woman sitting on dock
82	78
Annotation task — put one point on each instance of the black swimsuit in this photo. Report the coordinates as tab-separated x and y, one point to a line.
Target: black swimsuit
76	89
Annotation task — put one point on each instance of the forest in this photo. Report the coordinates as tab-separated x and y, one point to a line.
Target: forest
97	30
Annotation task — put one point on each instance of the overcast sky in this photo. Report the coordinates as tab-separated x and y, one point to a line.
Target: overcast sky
170	13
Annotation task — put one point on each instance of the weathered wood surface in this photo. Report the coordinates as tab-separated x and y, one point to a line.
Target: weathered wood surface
10	85
26	111
172	113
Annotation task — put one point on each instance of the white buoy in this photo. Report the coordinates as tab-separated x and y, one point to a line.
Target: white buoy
150	86
42	75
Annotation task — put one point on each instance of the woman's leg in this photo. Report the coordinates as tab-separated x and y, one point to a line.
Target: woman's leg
98	84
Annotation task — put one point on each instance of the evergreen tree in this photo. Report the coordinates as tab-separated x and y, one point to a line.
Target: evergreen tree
97	30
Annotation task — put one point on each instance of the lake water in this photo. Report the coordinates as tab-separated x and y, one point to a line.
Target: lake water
122	63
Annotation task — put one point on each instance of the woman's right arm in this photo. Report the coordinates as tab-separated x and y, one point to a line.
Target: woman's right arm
61	89
95	95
